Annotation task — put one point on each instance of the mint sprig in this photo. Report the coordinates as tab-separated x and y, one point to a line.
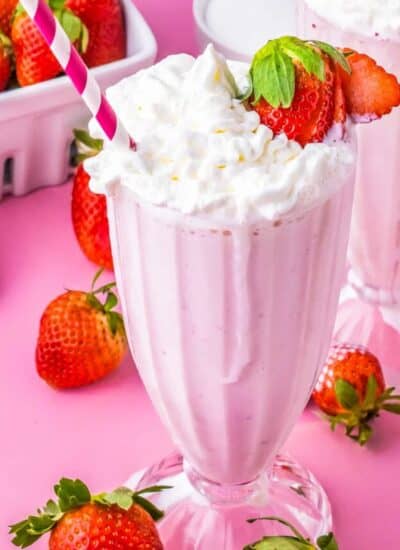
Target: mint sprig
359	413
296	541
73	494
272	72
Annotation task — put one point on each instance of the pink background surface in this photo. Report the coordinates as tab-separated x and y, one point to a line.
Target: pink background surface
107	431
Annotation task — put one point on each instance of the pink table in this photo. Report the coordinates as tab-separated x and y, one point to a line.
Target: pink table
105	432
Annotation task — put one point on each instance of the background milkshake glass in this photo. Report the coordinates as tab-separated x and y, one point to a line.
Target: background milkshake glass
229	324
370	312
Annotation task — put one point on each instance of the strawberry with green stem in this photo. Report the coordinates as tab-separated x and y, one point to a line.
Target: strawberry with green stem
34	60
351	391
120	520
88	209
296	541
303	88
105	22
81	338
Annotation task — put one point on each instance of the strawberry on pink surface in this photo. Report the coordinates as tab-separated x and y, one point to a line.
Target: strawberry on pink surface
88	209
351	391
105	22
77	520
81	339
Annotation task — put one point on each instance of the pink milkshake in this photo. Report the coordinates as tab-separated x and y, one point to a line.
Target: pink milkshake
372	316
229	246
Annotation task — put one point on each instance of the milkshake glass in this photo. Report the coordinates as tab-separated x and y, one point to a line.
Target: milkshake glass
370	308
229	323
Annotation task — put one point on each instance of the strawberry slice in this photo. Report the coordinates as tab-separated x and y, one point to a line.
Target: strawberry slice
339	99
370	91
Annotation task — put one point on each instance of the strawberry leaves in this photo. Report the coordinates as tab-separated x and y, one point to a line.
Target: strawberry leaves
272	71
87	145
359	413
296	541
72	494
125	498
114	319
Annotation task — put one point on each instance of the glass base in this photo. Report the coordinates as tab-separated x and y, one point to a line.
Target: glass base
202	515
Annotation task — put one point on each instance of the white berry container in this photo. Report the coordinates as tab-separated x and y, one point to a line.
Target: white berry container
36	122
237	29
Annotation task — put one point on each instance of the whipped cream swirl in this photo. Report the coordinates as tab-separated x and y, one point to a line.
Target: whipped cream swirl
202	153
374	18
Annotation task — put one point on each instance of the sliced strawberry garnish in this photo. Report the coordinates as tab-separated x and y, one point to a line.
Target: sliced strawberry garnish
293	87
321	120
339	99
370	91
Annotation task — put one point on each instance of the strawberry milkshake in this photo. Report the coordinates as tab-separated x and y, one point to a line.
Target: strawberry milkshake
229	226
370	313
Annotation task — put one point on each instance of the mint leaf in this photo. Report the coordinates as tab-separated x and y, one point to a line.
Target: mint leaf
71	494
346	394
334	54
327	542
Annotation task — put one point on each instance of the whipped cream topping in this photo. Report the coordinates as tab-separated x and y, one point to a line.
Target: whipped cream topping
199	151
375	18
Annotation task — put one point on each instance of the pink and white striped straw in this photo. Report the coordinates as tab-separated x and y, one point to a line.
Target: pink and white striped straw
75	68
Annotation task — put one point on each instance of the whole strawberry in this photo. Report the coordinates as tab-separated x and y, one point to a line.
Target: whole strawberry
80	338
121	520
33	59
351	391
88	209
305	88
105	22
296	89
7	8
5	61
295	541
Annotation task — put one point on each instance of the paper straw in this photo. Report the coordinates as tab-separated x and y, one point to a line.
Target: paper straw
78	72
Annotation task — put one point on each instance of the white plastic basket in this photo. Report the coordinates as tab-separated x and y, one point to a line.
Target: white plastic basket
36	122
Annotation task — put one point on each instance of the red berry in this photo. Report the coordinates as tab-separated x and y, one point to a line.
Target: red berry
80	340
105	22
370	91
89	218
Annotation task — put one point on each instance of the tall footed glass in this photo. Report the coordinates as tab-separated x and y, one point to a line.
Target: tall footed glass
370	309
229	325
